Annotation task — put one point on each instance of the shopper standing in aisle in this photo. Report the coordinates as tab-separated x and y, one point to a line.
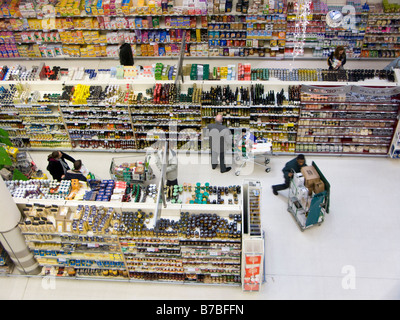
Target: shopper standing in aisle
171	170
57	166
125	54
220	141
337	59
76	172
294	165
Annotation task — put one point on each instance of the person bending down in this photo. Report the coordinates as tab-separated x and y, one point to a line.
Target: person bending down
76	172
296	164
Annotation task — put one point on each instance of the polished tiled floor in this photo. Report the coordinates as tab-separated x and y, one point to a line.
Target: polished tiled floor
354	254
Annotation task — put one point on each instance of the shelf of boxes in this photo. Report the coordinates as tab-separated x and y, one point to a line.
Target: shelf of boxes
338	127
99	36
382	36
246	35
260	32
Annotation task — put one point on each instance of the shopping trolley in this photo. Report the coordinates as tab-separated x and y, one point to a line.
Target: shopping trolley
308	209
132	169
248	148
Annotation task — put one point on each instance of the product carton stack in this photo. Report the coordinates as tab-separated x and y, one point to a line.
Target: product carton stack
312	180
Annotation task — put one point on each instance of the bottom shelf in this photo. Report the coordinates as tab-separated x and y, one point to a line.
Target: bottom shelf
61	273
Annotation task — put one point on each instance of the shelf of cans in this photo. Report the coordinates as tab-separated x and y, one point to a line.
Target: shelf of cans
351	122
129	242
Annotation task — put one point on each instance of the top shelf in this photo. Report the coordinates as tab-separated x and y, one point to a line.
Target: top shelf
138	82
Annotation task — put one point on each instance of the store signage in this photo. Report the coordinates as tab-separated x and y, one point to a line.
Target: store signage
333	91
328	91
376	91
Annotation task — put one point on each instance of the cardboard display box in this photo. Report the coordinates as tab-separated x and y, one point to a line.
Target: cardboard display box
312	180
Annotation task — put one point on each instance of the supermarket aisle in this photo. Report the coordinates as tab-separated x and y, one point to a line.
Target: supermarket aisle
352	255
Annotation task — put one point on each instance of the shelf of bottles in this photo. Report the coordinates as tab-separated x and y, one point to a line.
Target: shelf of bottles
127	243
99	126
168	114
270	115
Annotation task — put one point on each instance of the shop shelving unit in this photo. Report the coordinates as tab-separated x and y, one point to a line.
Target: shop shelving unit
93	33
381	36
109	241
99	126
395	146
35	124
142	255
178	123
341	125
253	257
243	35
103	126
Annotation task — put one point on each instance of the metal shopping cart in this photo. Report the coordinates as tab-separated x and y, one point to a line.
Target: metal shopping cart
132	169
248	148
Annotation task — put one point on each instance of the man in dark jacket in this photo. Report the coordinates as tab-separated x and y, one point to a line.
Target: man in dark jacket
220	141
125	54
294	165
76	172
57	166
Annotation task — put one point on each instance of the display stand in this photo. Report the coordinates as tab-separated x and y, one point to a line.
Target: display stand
395	146
253	257
153	241
308	210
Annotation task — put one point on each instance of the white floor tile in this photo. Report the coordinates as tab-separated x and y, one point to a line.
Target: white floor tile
354	254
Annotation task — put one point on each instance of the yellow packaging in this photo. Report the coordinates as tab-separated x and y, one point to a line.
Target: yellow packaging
12	151
60	226
103	50
97	51
168	51
59	23
103	39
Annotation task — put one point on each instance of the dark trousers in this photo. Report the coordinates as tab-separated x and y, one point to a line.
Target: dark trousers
221	155
283	186
171	183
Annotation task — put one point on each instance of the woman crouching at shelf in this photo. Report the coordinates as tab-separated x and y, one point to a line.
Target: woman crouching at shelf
337	59
75	173
57	164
